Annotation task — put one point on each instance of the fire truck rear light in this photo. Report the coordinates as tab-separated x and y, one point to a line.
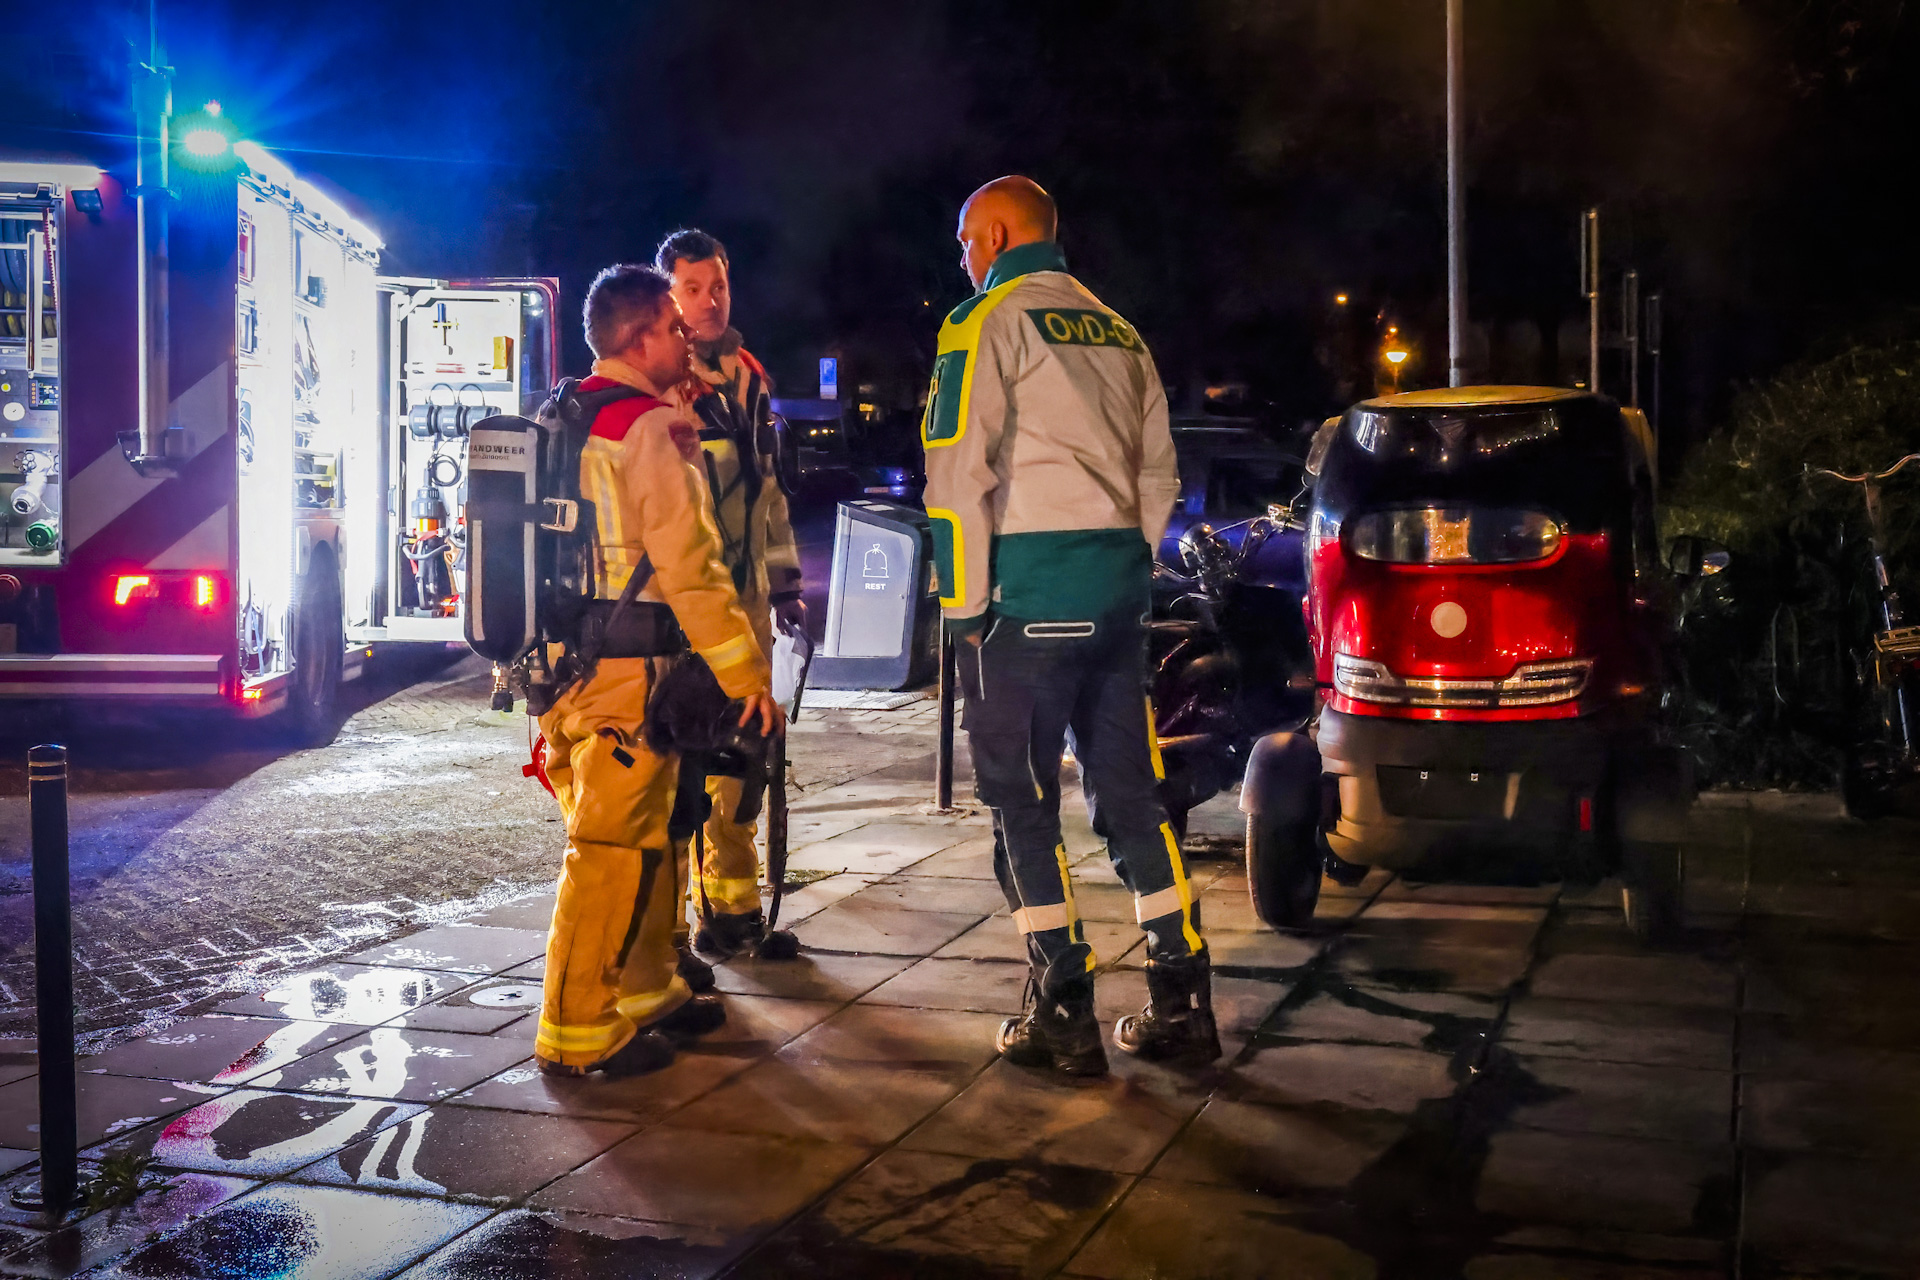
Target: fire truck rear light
134	587
205	591
252	695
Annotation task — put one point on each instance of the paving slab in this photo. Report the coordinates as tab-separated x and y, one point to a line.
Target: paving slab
939	1041
100	1238
1676	1104
1775	1045
1629	1247
487	1007
402	1064
1507	895
255	1134
462	948
535	911
838	1102
928	1214
106	1106
357	993
1872	1120
881	929
1546	1266
1441	1021
1360	1077
1181	1231
466	1153
12	1158
878	847
217	1048
1653	1035
756	1026
1013	1113
998	938
1243	1005
837	978
1691	982
725	1182
19	1058
815	896
970	860
984	986
1593	1180
302	1233
1278	1150
1452	924
529	1244
1822	1214
1402	964
933	893
1261	951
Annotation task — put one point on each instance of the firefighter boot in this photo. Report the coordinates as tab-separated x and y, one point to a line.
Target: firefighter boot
726	933
696	1017
697	973
1177	1024
1058	1029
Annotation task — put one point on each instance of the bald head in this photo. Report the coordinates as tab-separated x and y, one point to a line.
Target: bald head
1005	214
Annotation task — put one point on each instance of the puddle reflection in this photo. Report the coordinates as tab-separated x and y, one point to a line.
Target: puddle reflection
247	1132
365	995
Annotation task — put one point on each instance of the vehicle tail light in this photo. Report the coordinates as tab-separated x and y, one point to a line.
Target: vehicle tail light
205	591
1454	535
134	586
1531	684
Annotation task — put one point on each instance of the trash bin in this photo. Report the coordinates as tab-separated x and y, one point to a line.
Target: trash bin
883	617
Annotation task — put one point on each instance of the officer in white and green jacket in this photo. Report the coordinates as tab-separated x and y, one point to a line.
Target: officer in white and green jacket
1050	477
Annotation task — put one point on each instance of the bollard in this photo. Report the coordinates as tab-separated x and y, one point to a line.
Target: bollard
943	754
53	980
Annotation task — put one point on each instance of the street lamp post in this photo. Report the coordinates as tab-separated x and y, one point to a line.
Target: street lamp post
1456	201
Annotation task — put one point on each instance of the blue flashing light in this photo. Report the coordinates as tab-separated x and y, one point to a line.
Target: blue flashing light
205	143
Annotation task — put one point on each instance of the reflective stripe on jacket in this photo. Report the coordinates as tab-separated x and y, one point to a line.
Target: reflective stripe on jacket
1050	464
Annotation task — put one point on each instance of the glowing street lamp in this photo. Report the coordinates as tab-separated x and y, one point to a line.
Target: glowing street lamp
1396	358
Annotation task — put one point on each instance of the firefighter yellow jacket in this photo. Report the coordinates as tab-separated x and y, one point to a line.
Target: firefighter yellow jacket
648	500
729	399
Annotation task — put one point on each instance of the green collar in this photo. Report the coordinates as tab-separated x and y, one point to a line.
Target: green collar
1021	260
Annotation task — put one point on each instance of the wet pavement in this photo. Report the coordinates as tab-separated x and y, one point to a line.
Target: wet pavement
1436	1080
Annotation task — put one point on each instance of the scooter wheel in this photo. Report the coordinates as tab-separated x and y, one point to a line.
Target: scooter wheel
1283	871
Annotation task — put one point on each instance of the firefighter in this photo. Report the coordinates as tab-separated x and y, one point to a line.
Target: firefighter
614	1000
730	399
1050	478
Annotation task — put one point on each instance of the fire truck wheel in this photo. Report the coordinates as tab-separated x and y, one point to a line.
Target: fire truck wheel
1653	888
1283	870
319	643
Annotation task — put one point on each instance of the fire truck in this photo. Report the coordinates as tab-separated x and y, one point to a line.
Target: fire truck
232	454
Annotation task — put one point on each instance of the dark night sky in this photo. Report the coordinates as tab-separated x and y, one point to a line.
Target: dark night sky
1224	166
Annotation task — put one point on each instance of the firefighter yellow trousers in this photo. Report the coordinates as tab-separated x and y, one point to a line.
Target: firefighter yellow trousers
730	870
610	957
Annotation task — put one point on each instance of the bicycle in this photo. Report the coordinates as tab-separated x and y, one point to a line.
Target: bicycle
1875	772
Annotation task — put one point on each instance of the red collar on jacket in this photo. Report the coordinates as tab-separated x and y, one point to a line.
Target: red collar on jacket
615	420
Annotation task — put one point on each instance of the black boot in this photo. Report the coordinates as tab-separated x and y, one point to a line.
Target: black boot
694	971
724	933
696	1017
1058	1029
1177	1024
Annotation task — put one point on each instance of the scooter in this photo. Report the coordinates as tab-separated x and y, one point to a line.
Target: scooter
1482	609
1228	654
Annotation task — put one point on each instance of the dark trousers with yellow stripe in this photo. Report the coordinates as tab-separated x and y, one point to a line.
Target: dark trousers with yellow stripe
1032	689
